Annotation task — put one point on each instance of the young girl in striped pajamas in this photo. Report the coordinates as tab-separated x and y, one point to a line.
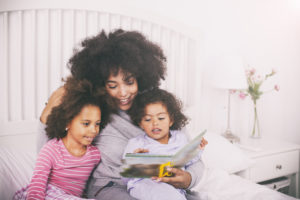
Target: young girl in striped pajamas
66	161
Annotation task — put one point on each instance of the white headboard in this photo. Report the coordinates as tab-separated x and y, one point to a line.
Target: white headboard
36	41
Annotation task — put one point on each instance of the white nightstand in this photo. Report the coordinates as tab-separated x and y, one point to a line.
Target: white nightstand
272	159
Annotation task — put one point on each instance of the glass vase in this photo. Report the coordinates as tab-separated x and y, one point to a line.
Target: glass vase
255	132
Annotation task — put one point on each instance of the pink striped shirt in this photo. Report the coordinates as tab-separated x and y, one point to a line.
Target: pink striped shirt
56	166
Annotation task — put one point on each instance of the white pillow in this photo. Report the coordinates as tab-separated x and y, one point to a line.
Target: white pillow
16	168
221	154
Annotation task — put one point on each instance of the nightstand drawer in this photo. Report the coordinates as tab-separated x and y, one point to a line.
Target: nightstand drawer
274	166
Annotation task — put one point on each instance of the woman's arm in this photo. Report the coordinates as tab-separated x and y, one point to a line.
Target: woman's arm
54	100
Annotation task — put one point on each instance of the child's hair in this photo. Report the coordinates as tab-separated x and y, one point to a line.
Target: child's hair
172	104
78	93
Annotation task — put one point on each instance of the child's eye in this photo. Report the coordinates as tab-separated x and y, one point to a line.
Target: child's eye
147	120
161	118
98	123
85	123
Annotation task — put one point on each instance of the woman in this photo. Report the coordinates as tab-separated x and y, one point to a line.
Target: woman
125	63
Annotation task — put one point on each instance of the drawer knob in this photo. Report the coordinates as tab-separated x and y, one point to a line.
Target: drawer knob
279	167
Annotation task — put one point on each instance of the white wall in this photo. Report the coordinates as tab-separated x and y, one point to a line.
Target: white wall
266	33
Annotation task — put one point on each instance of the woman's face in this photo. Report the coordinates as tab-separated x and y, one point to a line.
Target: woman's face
122	89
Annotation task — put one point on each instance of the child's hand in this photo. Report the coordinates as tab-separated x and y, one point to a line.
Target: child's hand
141	150
203	143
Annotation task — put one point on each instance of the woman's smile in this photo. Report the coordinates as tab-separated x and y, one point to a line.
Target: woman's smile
123	88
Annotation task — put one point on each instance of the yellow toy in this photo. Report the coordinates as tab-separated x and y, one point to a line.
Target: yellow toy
162	169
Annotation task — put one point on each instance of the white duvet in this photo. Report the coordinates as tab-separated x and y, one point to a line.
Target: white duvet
16	168
218	184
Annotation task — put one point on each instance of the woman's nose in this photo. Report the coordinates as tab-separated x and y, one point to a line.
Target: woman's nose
123	91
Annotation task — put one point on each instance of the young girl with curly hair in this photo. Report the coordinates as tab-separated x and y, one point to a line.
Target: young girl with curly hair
125	63
65	162
159	114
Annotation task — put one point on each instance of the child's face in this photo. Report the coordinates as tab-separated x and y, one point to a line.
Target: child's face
85	126
157	122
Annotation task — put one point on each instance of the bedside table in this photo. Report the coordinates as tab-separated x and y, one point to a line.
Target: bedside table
272	159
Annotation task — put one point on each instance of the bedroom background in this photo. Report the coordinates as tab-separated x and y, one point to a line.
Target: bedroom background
264	33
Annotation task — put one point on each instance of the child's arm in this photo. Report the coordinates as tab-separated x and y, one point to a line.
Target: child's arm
134	145
39	181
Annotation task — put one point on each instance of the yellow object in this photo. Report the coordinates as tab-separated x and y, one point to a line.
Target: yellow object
162	169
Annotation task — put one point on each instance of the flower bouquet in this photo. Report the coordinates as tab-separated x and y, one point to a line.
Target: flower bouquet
255	82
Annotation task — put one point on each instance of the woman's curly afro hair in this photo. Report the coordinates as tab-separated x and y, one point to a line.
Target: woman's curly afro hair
78	93
129	51
172	104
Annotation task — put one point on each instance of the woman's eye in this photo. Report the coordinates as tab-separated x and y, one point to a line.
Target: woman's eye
112	86
147	120
161	118
130	82
98	123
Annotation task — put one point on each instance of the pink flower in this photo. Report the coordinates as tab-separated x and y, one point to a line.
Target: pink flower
258	78
242	95
252	71
276	87
232	91
247	71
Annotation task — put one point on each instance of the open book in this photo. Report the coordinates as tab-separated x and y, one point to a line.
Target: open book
147	165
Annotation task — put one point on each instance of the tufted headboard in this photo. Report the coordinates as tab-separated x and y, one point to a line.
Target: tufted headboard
37	39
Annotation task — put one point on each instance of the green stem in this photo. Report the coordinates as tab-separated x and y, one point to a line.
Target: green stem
256	123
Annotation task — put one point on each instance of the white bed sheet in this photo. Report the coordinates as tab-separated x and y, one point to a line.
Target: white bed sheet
217	184
16	168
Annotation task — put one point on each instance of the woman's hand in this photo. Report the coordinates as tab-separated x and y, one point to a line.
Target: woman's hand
181	178
54	100
203	143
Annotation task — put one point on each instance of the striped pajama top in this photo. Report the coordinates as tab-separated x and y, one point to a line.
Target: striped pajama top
56	166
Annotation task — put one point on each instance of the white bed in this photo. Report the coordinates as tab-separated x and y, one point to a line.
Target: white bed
36	41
